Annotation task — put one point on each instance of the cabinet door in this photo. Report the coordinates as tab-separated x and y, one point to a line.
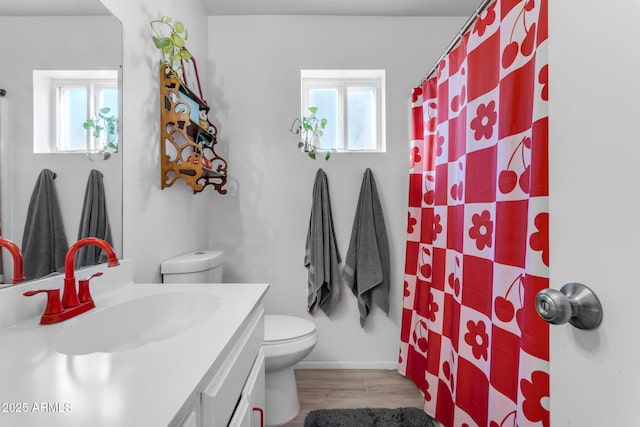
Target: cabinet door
223	392
254	389
190	421
242	415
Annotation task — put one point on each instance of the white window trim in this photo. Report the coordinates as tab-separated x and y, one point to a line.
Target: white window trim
45	98
342	79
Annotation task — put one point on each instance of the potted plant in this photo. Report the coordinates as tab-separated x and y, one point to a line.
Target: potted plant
172	46
108	123
309	129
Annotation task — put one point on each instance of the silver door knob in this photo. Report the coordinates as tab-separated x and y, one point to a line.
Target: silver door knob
574	303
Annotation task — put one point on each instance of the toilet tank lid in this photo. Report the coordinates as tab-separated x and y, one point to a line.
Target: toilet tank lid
191	262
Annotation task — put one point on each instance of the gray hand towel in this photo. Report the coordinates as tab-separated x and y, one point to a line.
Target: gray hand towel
94	221
44	242
367	265
322	257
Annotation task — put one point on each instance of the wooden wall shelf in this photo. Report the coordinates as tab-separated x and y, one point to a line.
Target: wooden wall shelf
187	138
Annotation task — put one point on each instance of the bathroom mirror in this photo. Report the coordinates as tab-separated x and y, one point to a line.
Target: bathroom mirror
46	35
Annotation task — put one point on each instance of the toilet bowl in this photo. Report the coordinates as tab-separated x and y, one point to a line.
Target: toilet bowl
287	339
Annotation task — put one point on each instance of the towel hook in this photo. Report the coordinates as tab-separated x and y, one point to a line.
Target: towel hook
2	92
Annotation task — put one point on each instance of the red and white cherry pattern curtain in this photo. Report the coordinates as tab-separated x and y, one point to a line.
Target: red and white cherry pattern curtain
477	249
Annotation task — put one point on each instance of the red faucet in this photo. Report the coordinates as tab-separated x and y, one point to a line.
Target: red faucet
70	293
18	260
60	309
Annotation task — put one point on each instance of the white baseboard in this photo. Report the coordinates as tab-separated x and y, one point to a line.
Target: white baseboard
332	364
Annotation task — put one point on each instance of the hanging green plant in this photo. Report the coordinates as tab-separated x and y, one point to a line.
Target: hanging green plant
172	46
106	122
309	129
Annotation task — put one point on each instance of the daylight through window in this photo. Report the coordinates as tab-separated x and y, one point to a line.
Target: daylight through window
76	101
353	103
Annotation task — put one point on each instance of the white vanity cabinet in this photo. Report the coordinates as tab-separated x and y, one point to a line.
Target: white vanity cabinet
235	394
198	366
191	420
250	411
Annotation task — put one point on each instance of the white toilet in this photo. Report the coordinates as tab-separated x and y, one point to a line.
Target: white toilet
287	339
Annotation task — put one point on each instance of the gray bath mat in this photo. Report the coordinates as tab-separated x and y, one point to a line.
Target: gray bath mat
368	417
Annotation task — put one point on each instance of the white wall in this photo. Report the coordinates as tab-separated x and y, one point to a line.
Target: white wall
254	82
250	76
595	206
50	43
158	224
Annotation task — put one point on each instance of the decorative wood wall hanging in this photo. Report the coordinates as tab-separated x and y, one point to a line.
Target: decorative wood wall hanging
187	138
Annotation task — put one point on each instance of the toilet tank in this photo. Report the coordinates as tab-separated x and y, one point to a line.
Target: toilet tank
193	267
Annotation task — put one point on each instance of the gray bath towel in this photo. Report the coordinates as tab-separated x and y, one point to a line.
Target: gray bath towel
367	265
94	221
322	257
44	242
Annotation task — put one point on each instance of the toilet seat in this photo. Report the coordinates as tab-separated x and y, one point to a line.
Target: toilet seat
280	329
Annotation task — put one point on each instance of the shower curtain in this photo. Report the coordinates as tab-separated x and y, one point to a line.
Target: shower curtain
477	247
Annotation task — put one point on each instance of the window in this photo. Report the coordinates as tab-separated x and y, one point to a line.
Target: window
77	100
353	103
64	100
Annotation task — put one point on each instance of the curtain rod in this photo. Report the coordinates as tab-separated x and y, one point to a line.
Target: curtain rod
467	25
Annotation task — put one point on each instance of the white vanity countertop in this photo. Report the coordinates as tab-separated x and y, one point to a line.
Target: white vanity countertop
143	386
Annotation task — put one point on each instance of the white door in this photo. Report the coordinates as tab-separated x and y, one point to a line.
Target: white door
594	78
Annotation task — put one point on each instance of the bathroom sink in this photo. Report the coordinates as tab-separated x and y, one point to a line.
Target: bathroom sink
135	322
